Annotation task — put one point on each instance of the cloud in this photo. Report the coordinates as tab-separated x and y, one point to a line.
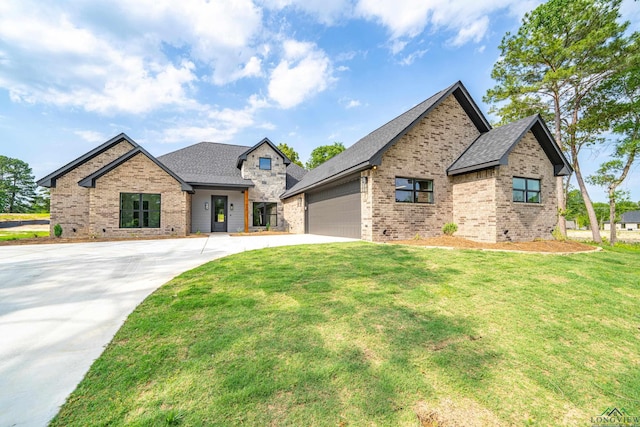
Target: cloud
327	12
303	72
410	59
70	59
350	103
91	136
406	19
215	124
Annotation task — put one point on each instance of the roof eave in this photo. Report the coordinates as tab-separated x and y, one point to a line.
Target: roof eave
358	168
459	91
265	140
49	181
90	181
473	168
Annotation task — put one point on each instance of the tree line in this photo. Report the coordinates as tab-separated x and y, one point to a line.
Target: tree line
575	63
18	190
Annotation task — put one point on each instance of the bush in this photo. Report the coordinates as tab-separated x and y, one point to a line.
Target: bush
450	228
57	230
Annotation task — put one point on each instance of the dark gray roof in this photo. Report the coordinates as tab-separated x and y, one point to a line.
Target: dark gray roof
214	164
90	181
294	174
631	217
492	148
368	151
50	180
207	163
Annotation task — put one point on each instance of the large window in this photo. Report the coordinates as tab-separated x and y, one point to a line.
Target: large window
265	214
265	163
139	210
411	190
526	190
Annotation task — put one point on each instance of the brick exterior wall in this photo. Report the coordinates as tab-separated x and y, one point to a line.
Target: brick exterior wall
269	184
138	175
294	214
526	221
474	205
425	153
70	202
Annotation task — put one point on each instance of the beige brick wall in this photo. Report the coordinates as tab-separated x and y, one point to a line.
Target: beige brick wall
425	152
294	214
269	184
138	175
526	221
70	202
474	205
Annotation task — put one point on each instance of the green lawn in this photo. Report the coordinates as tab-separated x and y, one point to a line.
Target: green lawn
22	217
362	334
17	235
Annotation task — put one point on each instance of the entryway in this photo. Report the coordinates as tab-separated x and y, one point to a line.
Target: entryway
219	214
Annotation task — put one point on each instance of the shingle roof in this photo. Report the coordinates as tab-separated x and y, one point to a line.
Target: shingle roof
210	163
90	181
207	163
50	180
631	217
368	150
492	148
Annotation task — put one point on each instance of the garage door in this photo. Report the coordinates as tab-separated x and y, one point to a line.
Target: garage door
335	211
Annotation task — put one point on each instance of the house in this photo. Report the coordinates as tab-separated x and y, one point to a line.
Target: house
439	162
628	221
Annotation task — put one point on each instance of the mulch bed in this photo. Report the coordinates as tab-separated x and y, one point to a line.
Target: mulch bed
547	246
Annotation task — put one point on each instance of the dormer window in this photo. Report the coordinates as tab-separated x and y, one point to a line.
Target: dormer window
265	163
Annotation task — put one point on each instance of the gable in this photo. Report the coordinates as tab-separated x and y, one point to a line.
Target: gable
110	150
368	151
243	157
90	180
492	148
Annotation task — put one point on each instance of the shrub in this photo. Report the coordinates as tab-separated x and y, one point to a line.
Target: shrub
57	230
450	228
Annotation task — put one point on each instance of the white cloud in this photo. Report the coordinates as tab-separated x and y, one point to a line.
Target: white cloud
410	59
303	72
91	136
326	11
63	58
406	19
215	124
350	103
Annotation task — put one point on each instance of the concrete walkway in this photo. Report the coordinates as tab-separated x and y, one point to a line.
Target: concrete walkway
60	305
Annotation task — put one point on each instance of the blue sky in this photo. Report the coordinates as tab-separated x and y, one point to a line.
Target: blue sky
169	74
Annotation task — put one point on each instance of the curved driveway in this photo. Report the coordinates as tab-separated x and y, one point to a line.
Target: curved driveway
61	304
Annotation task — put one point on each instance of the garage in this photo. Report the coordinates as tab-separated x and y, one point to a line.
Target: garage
335	211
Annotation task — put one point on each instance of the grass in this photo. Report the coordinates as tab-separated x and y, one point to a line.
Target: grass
364	334
23	217
18	235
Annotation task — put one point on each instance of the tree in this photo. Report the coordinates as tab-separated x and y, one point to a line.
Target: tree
617	103
17	186
321	154
41	201
290	153
563	51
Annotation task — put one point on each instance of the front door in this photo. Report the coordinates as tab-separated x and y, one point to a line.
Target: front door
219	220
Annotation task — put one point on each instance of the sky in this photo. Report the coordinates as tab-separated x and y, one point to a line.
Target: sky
169	74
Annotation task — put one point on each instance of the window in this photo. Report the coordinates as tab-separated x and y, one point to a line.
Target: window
526	190
265	214
265	163
410	190
139	210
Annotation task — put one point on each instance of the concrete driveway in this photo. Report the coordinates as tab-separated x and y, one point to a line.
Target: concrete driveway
61	304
